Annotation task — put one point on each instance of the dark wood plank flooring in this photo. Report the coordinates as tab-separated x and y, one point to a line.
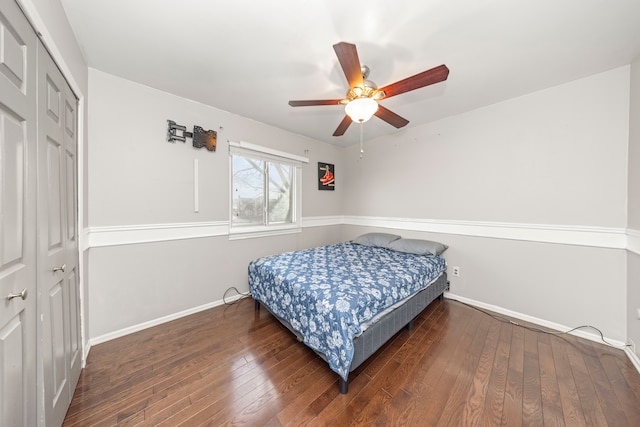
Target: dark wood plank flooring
458	367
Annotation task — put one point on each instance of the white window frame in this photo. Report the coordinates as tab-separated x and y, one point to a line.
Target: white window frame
258	152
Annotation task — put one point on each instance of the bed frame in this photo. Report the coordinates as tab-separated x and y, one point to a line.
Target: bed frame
376	335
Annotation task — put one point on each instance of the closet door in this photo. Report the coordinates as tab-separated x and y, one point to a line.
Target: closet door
18	47
58	278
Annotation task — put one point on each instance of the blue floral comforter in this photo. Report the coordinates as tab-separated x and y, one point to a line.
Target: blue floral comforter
327	293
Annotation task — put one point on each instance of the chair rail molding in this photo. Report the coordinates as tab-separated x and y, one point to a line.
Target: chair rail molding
633	241
148	233
605	237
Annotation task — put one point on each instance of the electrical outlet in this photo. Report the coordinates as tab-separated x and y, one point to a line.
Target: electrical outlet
638	313
456	271
633	345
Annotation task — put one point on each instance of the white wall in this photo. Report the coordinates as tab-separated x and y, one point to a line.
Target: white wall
633	259
137	177
550	167
49	19
141	197
557	156
530	166
634	149
530	194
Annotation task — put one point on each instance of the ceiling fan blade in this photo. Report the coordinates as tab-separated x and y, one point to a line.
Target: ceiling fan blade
390	117
309	103
342	127
348	57
425	78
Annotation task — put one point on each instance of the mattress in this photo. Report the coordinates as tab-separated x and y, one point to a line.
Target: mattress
329	295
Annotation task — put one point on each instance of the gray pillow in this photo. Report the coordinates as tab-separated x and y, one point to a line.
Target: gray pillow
418	246
380	240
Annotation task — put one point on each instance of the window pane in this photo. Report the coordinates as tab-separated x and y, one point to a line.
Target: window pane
248	191
281	193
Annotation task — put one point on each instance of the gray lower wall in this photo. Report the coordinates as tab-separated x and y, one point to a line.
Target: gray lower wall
138	283
633	300
557	285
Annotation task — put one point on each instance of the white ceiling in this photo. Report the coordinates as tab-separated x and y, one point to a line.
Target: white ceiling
250	57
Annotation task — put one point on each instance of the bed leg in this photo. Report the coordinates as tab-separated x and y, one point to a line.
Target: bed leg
410	325
441	297
256	305
344	386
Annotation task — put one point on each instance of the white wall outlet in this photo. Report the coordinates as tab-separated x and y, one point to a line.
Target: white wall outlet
633	345
456	271
638	313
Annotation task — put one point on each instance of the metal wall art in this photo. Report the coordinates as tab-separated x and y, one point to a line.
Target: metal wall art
201	138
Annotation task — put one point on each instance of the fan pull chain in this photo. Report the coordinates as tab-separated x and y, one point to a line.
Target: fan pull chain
361	140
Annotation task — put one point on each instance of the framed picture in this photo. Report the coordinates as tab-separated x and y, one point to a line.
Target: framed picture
326	176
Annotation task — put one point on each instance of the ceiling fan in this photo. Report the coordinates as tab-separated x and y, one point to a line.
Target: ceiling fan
362	98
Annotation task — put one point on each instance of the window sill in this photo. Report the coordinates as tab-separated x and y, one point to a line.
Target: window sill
256	232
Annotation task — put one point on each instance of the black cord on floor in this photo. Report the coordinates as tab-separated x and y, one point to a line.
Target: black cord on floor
244	295
532	328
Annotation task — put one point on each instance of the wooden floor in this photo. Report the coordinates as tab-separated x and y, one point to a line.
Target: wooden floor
458	366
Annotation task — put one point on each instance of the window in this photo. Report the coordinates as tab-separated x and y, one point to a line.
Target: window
250	191
265	190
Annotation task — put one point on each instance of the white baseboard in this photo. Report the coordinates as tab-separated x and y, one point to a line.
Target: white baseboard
496	309
550	325
541	322
155	322
85	350
633	358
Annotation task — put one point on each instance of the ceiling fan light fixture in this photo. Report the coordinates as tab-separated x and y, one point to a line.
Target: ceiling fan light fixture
361	109
361	100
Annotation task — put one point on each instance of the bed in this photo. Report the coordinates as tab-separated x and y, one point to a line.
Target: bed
346	300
